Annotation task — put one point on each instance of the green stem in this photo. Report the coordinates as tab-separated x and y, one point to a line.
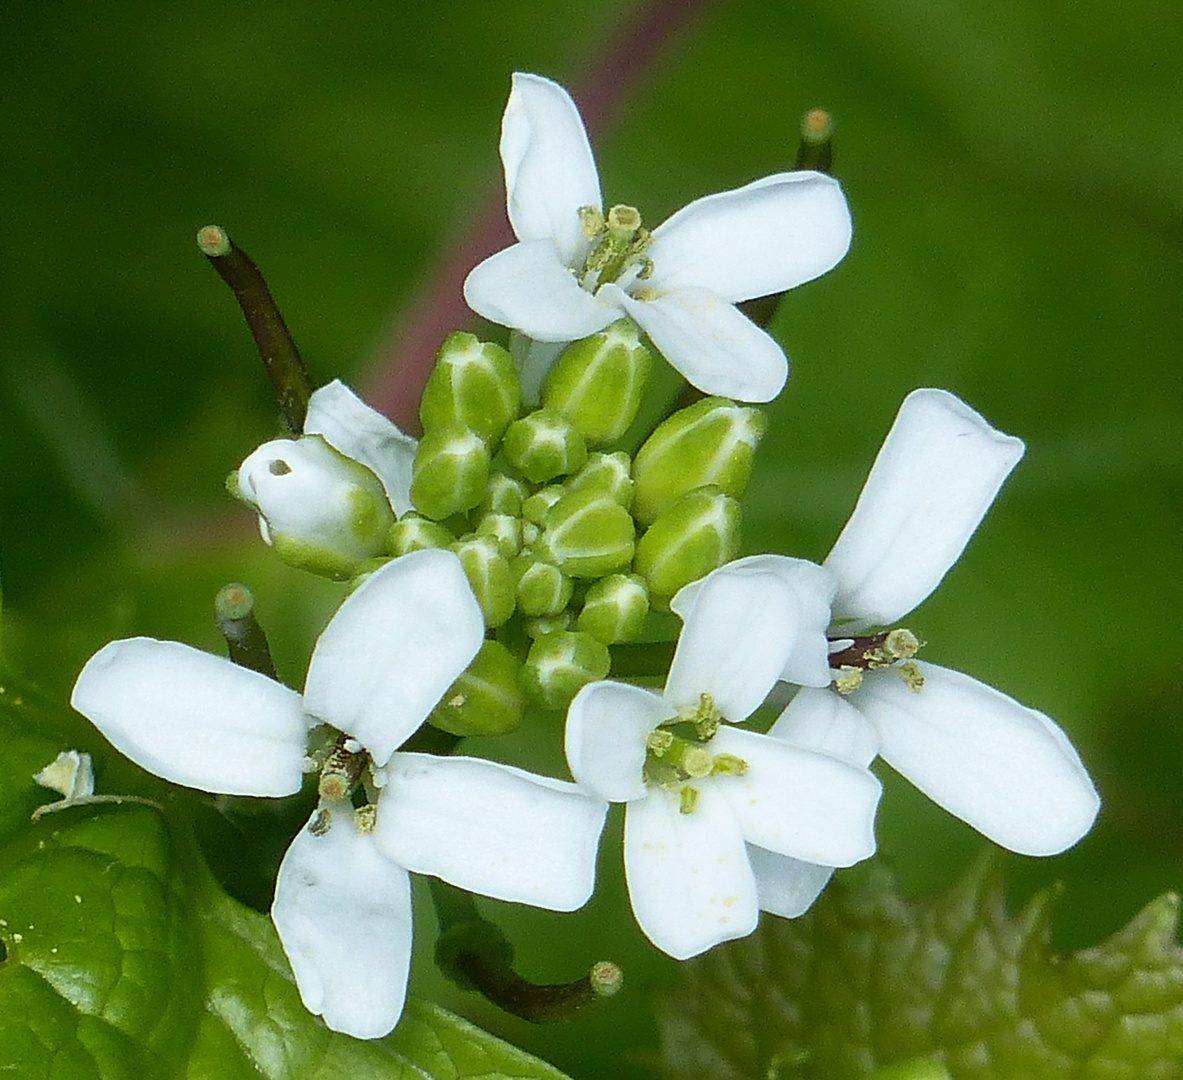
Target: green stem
234	610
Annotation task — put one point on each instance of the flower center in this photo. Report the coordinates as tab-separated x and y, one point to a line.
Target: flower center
676	752
876	652
619	242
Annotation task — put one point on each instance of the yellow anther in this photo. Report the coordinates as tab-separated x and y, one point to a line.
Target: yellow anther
729	765
687	800
321	823
592	221
365	818
901	644
912	676
849	680
660	741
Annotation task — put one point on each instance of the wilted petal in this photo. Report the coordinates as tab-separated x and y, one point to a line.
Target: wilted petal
549	168
936	475
491	829
738	633
786	887
364	434
823	721
392	649
529	287
688	875
769	236
193	718
795	802
343	913
1005	769
709	341
607	724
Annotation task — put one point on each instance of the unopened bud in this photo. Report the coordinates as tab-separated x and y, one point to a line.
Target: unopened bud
412	532
697	534
615	608
712	441
598	382
543	589
587	534
543	445
474	384
489	576
560	663
548	624
504	530
451	472
535	508
320	510
503	495
607	473
486	699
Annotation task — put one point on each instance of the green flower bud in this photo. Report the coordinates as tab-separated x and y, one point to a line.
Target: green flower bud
608	473
544	445
473	384
560	663
543	589
490	577
320	510
504	495
697	534
615	608
598	382
711	442
412	532
548	624
486	699
504	530
451	472
587	534
535	508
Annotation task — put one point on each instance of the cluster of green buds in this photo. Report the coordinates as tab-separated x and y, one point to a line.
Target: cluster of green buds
567	540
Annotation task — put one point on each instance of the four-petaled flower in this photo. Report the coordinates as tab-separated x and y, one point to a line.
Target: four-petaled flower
711	808
342	898
575	270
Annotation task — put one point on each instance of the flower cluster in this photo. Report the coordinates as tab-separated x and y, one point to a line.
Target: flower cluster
514	554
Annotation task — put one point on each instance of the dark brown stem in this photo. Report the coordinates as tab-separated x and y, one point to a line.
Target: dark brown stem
234	611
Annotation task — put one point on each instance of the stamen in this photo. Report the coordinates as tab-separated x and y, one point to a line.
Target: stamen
848	680
912	676
341	771
729	765
592	221
688	800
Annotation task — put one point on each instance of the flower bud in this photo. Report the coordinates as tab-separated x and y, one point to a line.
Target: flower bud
607	473
486	699
503	495
560	663
412	532
544	445
535	508
587	534
697	534
598	382
504	530
548	624
474	384
320	510
615	608
489	576
710	442
543	589
451	472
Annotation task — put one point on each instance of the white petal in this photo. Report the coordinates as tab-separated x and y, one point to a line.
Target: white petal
549	168
688	875
807	805
491	829
738	633
786	887
193	718
343	913
936	475
769	236
365	435
813	587
715	346
534	360
529	288
394	646
1007	770
822	720
607	724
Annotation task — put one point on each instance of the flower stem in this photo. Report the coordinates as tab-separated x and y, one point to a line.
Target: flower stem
234	610
280	356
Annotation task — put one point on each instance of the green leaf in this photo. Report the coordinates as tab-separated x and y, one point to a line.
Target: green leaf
867	981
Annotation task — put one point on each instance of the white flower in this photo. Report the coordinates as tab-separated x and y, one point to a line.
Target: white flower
556	285
703	811
342	901
1005	769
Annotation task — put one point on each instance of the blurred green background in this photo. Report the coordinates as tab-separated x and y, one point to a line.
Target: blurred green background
1015	171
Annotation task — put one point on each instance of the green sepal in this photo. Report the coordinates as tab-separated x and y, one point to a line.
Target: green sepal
712	441
413	532
503	495
697	534
489	576
560	663
587	534
451	472
607	473
535	508
473	384
598	382
544	444
486	699
615	608
542	588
